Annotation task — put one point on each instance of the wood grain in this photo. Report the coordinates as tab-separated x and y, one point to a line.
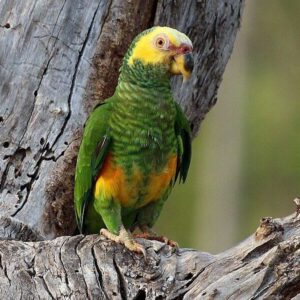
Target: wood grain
91	267
58	58
51	50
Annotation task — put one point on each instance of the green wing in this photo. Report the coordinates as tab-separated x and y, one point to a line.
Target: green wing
183	132
94	146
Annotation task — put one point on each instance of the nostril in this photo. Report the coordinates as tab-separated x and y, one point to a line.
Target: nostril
186	50
183	50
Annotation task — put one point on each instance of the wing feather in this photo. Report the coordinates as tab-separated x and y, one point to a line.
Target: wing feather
94	147
183	132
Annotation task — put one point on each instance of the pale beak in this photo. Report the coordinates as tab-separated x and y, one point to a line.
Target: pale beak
183	64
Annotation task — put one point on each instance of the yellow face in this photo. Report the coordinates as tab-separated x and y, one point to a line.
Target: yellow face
165	45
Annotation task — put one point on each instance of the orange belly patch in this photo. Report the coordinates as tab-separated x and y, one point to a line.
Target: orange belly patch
112	183
158	183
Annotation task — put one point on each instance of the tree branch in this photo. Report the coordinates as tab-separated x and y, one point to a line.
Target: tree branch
264	266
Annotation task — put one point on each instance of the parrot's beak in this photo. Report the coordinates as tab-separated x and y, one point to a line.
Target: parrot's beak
183	64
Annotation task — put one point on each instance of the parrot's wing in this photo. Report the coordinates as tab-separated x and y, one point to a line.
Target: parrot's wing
93	150
183	132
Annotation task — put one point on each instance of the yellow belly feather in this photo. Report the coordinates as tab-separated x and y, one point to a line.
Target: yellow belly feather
112	183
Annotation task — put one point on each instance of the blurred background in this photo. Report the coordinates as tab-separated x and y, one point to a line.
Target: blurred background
246	157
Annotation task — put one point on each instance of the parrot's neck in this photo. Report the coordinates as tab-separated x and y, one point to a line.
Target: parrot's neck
144	87
145	76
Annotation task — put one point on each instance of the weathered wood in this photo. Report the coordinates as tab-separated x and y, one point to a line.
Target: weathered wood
57	60
264	266
49	50
212	26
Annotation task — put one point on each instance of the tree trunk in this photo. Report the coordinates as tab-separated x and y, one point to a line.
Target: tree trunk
57	60
60	58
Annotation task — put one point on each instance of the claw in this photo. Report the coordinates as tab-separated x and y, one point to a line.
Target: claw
149	234
135	247
124	238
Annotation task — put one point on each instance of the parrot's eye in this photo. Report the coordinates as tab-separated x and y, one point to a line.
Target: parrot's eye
161	42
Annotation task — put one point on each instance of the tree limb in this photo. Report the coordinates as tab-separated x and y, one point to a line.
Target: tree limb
264	266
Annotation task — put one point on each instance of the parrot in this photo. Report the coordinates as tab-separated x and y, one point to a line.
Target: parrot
137	143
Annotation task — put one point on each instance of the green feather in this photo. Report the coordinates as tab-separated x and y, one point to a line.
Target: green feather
142	126
93	149
183	131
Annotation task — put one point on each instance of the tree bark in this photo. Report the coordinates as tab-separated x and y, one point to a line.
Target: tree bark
57	60
264	266
60	58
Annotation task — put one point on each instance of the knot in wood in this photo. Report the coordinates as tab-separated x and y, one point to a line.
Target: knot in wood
267	226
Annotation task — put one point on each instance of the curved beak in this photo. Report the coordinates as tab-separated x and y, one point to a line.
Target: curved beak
183	64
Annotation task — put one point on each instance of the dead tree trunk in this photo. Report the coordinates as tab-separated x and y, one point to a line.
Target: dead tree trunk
57	60
60	58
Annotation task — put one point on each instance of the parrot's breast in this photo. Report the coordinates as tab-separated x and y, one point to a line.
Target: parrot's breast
137	189
143	157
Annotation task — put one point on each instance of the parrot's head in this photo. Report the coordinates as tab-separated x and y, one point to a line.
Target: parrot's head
163	47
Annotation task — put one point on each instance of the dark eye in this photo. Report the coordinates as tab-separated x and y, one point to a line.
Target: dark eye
160	42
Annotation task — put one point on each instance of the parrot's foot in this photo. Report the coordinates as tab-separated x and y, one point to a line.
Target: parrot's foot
148	234
124	238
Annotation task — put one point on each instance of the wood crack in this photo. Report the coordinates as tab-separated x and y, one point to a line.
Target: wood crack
81	52
28	186
33	178
44	72
182	292
98	273
4	176
80	264
46	287
122	282
54	26
62	263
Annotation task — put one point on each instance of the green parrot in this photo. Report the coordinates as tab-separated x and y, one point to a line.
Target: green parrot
137	143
